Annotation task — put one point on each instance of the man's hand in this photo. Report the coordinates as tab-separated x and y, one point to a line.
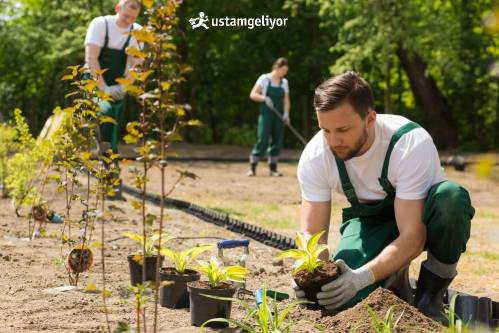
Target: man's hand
268	102
285	118
336	293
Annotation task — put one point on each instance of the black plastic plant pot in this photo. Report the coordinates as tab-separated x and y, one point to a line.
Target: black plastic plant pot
173	294
204	308
466	308
136	269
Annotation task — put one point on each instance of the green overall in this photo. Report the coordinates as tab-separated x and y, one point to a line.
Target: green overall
269	124
367	228
115	62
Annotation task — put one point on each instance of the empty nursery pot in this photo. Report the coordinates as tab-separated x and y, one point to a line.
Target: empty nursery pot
204	308
174	295
136	269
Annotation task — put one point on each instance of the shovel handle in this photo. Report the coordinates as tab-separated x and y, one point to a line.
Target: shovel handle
232	243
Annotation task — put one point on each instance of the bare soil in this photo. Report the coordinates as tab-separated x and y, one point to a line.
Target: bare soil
31	299
409	318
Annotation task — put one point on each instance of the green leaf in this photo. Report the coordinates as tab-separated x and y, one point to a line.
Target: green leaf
312	242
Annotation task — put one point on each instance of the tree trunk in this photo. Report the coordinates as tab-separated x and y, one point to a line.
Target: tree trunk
429	98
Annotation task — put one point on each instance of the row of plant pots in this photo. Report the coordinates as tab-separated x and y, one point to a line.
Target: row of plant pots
181	287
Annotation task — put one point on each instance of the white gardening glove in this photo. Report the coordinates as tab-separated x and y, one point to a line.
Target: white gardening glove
120	93
299	294
336	293
285	117
116	91
268	102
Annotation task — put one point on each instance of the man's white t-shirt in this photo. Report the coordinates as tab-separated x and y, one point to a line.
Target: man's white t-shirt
117	36
96	33
414	165
264	79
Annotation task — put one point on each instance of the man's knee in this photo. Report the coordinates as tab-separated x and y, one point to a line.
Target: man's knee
447	214
450	202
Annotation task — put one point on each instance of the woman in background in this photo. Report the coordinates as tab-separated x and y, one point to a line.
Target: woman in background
271	91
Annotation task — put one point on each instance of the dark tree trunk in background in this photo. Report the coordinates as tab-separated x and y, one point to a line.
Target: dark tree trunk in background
429	98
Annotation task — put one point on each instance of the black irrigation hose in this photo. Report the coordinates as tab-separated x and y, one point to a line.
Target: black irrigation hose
262	235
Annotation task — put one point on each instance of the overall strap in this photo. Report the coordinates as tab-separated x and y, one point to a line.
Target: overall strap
128	39
346	185
383	180
106	38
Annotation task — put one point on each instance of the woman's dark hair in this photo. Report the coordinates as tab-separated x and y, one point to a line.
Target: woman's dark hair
280	62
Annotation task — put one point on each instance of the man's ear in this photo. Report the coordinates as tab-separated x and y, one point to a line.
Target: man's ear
371	117
117	8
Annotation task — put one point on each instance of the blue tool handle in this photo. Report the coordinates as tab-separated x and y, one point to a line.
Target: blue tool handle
259	297
231	243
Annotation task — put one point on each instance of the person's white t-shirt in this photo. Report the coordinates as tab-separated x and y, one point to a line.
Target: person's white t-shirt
264	79
96	33
414	165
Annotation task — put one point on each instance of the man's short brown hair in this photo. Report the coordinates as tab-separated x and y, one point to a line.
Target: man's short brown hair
135	4
347	87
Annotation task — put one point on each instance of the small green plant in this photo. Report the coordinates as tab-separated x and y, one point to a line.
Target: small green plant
307	254
218	274
140	291
266	318
386	325
183	258
150	242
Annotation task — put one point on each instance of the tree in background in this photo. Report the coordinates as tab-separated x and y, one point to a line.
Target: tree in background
425	59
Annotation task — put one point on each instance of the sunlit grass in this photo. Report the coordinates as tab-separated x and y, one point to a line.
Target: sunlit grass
483	254
486	214
265	214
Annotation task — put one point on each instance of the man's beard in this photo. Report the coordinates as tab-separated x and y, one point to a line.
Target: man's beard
356	148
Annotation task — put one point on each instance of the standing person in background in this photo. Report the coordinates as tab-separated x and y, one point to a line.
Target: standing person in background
105	44
271	91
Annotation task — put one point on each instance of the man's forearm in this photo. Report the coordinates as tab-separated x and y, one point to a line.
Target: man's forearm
94	65
315	217
395	256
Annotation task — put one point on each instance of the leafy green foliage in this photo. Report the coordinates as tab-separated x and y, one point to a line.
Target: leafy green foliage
307	255
8	146
217	273
23	167
183	258
267	318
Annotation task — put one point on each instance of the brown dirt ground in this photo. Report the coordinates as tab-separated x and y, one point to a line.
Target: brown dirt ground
31	270
274	203
409	319
28	302
359	319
